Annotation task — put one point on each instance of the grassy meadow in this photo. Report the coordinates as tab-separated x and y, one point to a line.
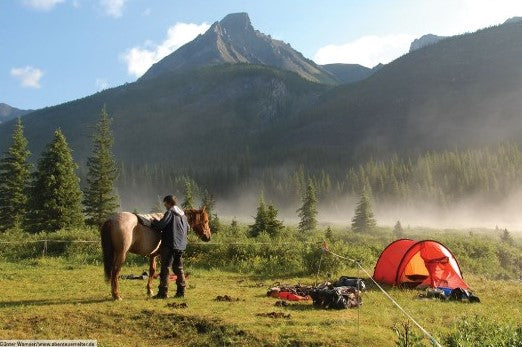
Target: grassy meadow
63	295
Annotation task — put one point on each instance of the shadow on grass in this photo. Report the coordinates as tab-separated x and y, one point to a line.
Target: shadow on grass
50	302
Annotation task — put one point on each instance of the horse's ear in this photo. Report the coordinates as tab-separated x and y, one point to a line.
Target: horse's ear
204	209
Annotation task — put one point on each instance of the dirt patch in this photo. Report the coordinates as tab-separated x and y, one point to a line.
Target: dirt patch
226	298
274	315
281	303
178	305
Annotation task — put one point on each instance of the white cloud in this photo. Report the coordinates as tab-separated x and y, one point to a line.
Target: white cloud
367	50
113	8
29	76
42	5
101	84
139	59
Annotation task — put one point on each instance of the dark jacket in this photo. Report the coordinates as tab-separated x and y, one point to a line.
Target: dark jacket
174	228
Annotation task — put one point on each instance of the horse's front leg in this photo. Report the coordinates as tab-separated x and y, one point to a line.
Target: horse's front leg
152	271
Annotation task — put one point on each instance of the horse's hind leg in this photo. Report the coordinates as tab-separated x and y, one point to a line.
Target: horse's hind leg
119	259
152	271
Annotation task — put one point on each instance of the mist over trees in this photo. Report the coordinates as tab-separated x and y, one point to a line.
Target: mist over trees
441	178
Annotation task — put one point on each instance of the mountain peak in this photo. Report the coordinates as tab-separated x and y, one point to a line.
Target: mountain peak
8	112
234	40
425	40
236	21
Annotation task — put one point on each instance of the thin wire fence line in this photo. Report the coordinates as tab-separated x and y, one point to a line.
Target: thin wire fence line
56	241
189	244
358	263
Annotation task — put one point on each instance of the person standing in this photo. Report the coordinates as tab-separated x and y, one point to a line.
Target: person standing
173	227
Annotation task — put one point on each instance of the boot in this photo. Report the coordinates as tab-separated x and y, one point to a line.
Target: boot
163	288
180	291
162	294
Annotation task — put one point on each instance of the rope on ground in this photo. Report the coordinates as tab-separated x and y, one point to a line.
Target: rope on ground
358	263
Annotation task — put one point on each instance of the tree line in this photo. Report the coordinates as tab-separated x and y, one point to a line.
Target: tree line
441	178
49	197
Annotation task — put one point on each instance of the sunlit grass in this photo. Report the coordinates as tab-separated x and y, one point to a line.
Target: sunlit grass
51	298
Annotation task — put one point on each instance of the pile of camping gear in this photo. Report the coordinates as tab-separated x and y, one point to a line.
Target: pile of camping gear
342	294
426	265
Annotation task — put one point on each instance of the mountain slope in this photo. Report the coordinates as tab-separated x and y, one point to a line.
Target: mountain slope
234	40
462	92
204	119
348	73
8	112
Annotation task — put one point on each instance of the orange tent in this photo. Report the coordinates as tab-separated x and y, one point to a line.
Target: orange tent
418	264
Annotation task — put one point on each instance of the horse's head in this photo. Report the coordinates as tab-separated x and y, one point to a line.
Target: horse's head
198	220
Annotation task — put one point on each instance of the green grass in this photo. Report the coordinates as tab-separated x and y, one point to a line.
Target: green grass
50	298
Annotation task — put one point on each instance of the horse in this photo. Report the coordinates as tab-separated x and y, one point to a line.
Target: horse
124	233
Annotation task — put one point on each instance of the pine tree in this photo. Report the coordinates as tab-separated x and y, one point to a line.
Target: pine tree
398	231
209	202
308	211
507	238
266	220
100	198
56	198
188	203
363	220
328	234
273	226
14	181
260	219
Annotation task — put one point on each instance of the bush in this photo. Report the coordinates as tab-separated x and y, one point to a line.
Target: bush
479	332
289	253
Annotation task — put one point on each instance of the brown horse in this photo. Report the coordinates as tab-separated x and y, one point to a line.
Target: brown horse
123	233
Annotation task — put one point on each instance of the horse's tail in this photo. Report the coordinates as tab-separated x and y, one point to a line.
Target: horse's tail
107	248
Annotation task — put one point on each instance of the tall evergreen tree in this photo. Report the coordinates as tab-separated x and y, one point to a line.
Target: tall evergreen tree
188	203
209	202
100	199
398	231
14	181
274	226
308	211
56	198
507	238
260	220
363	221
266	220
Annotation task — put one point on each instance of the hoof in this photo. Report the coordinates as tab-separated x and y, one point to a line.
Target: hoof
116	298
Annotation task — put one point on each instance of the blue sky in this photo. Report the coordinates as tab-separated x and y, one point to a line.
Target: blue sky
53	51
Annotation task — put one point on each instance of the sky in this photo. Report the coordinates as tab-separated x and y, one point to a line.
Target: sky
54	51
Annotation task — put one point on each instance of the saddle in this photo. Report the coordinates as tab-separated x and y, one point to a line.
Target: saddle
144	219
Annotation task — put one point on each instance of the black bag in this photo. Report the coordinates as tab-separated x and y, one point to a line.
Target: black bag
346	281
336	298
459	294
